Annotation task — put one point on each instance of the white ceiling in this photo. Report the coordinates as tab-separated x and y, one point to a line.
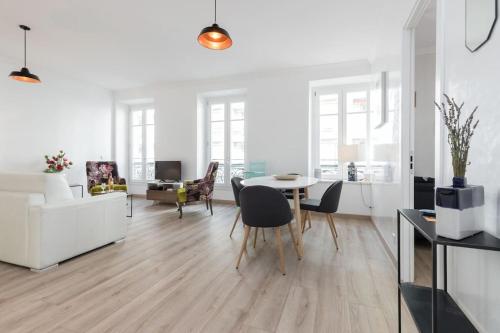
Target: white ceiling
126	43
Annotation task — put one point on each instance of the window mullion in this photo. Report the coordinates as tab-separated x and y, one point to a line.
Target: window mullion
130	146
368	132
316	133
144	145
227	143
341	128
208	128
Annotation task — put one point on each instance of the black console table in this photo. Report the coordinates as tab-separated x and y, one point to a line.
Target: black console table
433	309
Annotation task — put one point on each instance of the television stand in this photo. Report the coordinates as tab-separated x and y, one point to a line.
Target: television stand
166	181
163	192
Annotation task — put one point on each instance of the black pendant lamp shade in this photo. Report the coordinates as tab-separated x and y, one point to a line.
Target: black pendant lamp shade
24	74
215	37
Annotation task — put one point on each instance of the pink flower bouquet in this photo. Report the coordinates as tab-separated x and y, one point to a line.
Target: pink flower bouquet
57	163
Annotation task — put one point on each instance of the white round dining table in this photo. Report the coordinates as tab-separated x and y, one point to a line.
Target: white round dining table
295	185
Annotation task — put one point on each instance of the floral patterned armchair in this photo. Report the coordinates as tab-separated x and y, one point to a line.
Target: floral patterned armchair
199	190
98	172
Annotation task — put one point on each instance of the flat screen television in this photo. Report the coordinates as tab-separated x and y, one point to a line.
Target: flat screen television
168	170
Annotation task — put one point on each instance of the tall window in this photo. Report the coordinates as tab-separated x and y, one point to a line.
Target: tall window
328	110
356	120
340	117
142	143
226	136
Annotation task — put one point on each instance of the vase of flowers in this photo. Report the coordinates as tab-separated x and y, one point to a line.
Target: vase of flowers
459	208
57	163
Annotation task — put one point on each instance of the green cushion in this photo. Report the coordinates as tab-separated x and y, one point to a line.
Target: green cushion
120	188
98	189
181	195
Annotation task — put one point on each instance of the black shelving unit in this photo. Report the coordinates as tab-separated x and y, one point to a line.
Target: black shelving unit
433	309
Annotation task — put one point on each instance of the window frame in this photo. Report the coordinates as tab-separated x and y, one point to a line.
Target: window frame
227	101
341	91
316	143
143	125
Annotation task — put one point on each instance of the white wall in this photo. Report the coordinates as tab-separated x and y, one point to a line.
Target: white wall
59	113
356	198
120	138
387	195
386	200
276	120
473	78
425	76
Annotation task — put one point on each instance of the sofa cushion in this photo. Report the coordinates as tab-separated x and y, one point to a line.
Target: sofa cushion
22	182
54	187
97	190
57	188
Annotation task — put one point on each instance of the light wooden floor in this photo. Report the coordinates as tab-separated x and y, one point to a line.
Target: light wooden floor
423	262
172	276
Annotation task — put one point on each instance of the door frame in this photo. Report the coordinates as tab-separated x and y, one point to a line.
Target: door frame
408	124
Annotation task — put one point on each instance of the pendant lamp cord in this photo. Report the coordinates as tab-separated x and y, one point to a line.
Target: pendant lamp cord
24	48
215	11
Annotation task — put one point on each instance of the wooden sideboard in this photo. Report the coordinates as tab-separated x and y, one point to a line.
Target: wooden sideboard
163	192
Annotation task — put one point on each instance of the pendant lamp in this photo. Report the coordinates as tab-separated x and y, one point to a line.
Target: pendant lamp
24	74
215	37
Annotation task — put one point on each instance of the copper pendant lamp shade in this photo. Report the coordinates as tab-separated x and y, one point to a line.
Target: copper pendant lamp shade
24	74
215	37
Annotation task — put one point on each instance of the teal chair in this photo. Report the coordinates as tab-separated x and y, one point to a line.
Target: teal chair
255	169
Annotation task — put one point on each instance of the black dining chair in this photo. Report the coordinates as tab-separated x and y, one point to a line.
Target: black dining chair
265	207
237	187
328	205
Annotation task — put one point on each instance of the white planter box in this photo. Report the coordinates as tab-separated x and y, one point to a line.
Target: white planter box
459	211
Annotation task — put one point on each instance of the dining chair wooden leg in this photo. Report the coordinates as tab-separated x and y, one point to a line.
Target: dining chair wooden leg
235	221
279	245
333	232
243	245
308	214
255	237
303	221
294	240
263	235
333	224
296	206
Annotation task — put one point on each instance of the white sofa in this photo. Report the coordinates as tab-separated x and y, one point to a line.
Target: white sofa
41	224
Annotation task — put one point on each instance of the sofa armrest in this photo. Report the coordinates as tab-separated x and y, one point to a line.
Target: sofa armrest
14	225
206	186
